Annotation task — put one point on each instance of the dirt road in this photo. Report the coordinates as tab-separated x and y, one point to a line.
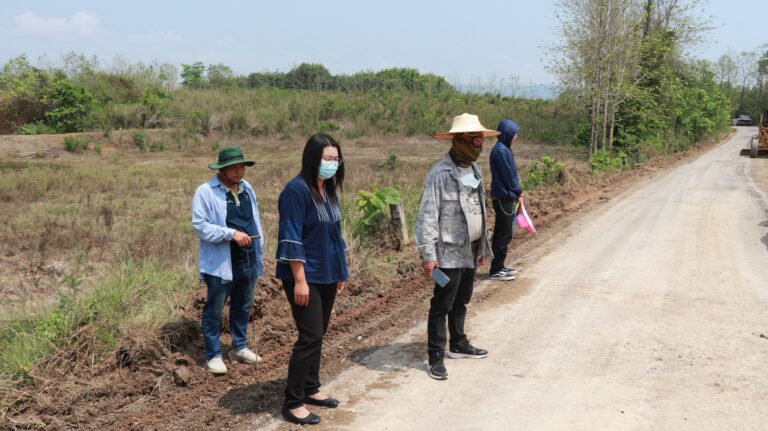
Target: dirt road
650	312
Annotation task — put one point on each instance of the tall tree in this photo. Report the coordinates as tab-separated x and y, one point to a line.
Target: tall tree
598	57
762	71
220	75
747	69
624	59
192	74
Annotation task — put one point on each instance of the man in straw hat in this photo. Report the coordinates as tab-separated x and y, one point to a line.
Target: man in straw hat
452	239
225	216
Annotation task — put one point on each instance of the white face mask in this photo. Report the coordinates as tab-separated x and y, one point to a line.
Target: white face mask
470	181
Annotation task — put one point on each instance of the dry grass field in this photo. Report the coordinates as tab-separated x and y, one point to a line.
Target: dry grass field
79	214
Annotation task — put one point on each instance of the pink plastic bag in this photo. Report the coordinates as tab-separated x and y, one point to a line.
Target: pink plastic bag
524	221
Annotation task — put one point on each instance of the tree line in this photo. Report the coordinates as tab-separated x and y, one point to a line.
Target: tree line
312	76
77	94
83	94
741	75
625	62
629	88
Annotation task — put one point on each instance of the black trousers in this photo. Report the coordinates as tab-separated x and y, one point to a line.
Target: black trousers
502	231
450	300
312	323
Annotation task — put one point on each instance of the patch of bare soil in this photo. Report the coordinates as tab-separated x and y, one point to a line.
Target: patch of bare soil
157	381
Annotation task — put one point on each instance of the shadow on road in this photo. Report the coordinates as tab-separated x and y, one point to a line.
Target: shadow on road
392	357
746	153
258	398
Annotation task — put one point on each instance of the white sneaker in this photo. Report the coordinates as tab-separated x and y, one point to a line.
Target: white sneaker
216	366
244	355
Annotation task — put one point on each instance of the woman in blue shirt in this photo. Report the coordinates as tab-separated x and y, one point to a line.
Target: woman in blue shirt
313	267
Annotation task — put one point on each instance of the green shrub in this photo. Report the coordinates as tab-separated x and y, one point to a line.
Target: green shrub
354	133
75	144
126	116
604	161
374	210
237	122
35	128
155	100
179	136
199	122
330	109
326	126
69	105
140	139
54	326
549	172
156	146
261	129
580	137
390	164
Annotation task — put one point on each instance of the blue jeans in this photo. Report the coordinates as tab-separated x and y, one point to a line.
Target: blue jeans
240	292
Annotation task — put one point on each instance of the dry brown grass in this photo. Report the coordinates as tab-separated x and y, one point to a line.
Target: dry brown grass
77	215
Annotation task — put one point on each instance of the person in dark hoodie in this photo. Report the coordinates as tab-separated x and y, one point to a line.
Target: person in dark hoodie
506	192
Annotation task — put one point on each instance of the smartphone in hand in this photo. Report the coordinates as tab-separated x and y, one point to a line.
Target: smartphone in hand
440	278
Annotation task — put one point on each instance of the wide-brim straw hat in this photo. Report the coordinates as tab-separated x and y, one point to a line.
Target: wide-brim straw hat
231	155
466	123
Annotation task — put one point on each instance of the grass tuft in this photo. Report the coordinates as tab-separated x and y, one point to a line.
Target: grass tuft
87	328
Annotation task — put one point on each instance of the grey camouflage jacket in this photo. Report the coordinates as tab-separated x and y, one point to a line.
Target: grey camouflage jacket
442	232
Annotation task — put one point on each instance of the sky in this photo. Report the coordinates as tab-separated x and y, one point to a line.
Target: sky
480	42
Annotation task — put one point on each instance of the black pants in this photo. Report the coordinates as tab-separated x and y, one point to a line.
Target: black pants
450	300
312	322
502	232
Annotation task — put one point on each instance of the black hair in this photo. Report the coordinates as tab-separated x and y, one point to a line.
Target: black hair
310	167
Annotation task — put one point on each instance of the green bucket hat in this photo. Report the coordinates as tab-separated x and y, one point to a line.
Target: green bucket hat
231	155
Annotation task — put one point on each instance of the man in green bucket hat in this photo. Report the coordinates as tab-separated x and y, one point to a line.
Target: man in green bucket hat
225	215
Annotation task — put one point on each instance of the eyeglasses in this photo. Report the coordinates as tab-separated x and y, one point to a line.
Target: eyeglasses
334	159
473	136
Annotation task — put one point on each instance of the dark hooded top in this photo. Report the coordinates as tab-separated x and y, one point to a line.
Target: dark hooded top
505	183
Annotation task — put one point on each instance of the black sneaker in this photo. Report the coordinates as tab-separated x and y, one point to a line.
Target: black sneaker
467	351
436	368
510	271
501	275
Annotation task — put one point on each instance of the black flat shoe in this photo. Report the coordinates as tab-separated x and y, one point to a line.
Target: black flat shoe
311	419
329	402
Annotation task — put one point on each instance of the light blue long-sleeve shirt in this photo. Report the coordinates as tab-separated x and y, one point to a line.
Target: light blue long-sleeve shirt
209	219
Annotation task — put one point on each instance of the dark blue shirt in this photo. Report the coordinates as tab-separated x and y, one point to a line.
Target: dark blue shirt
310	232
240	217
